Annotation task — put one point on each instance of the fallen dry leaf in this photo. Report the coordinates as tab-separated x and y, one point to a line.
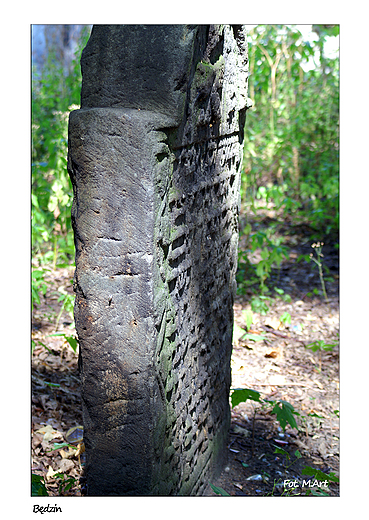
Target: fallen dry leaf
67	454
241	430
272	354
37	438
49	433
80	449
50	473
300	444
65	465
274	323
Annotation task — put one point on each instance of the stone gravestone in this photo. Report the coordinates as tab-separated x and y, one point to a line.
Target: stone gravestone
154	158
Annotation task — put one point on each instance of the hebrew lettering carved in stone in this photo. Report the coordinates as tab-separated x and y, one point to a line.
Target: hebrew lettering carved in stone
154	157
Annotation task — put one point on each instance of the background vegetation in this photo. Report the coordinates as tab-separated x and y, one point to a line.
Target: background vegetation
290	180
291	153
55	94
290	163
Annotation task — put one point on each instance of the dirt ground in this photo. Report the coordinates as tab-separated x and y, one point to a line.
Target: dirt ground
279	366
282	368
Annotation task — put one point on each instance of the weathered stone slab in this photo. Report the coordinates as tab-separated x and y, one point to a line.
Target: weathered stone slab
154	158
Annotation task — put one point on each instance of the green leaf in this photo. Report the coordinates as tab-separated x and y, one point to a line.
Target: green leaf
35	295
286	318
58	445
319	475
320	345
254	337
313	414
284	412
329	347
219	490
314	346
237	332
38	486
37	274
240	395
319	493
34	200
72	342
298	454
71	481
282	452
248	317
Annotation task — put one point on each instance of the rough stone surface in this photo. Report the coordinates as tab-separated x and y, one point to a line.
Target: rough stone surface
154	158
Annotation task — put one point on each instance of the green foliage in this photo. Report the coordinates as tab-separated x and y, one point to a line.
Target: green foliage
320	477
285	297
241	395
38	286
291	149
272	253
239	333
55	92
291	152
248	317
58	445
71	340
54	95
318	250
285	318
219	490
259	304
254	337
281	451
65	482
320	345
283	410
67	305
285	414
38	486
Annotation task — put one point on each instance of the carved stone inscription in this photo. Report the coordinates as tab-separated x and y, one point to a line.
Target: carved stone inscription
156	199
